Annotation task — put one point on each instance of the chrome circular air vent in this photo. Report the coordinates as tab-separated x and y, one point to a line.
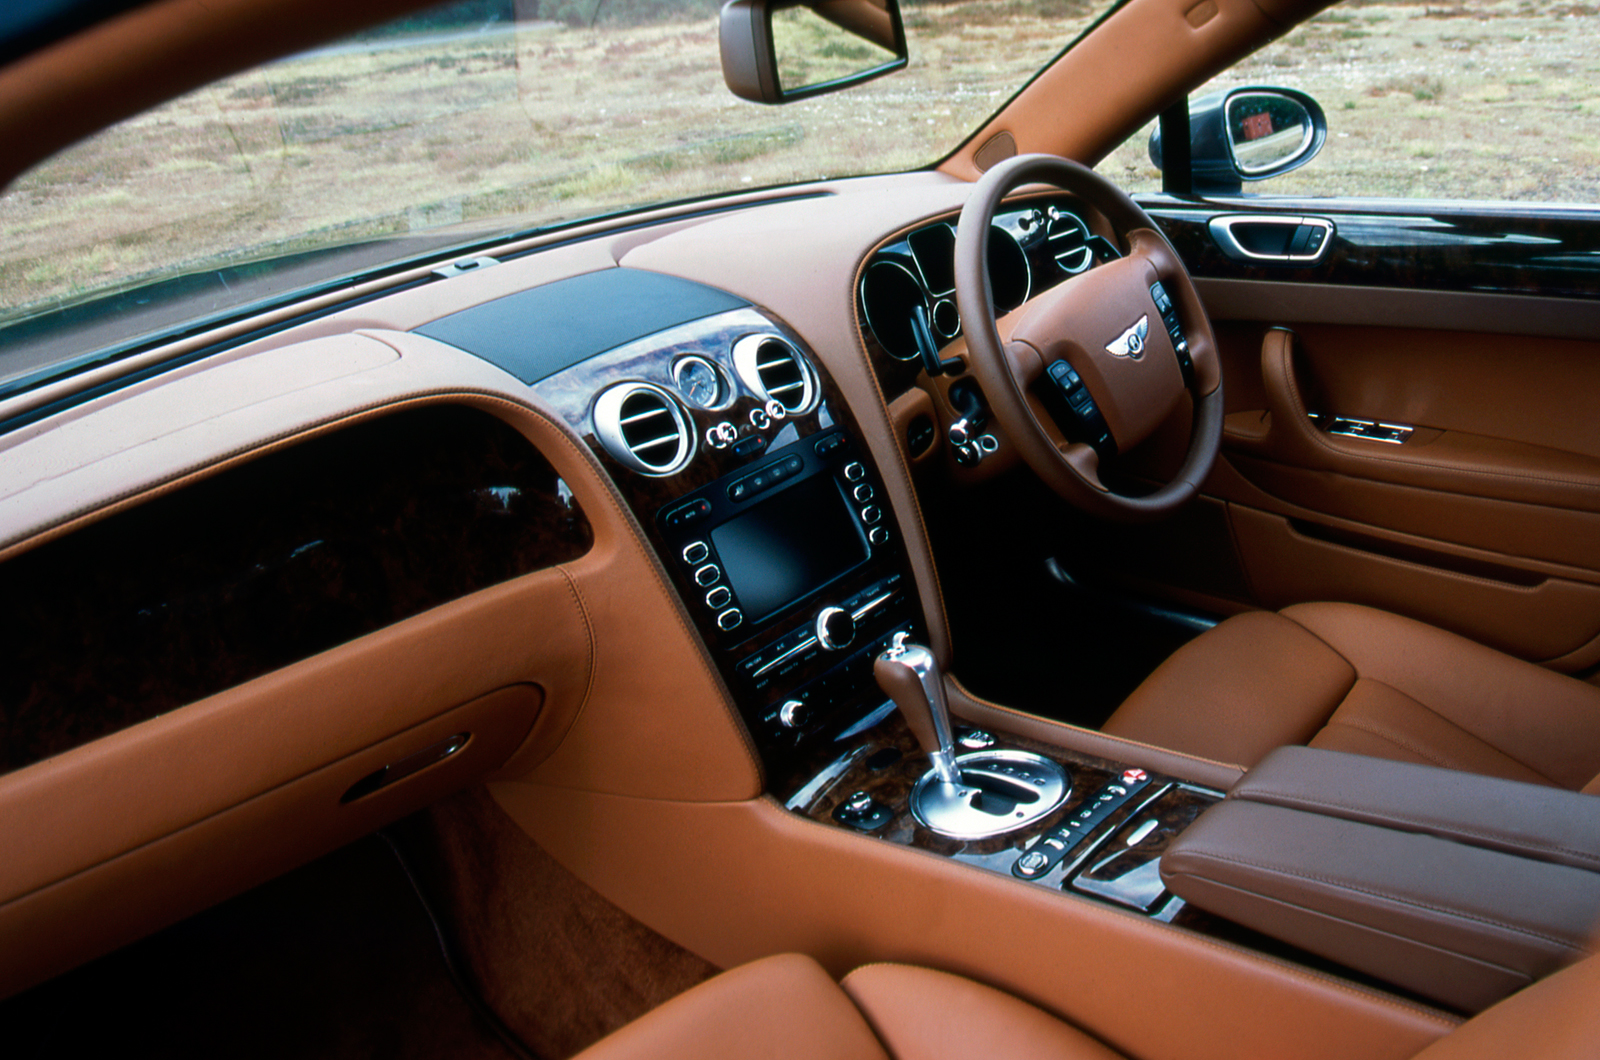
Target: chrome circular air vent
1067	237
644	428
775	371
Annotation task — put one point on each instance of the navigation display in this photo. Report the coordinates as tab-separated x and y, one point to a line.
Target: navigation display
789	546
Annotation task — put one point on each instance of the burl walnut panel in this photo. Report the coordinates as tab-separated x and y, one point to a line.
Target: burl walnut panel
899	762
266	564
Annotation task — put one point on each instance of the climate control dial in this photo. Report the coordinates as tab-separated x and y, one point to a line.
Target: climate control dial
836	628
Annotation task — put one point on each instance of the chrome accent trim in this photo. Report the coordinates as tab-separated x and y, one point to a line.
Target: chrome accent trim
1366	430
920	662
1131	343
821	626
751	354
917	258
1027	268
1074	259
866	310
789	714
1221	229
814	787
949	809
609	423
1140	832
871	605
805	645
725	392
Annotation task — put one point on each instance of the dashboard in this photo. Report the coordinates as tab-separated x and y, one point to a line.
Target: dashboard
707	442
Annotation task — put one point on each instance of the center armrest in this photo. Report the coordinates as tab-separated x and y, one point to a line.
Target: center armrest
1459	887
1546	824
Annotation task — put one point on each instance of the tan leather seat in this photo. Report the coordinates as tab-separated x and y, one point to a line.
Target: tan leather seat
787	1008
1349	678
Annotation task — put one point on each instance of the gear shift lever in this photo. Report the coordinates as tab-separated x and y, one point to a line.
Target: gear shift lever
909	676
985	794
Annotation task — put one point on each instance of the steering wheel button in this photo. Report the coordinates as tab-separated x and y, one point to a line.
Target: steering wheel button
1081	400
1159	294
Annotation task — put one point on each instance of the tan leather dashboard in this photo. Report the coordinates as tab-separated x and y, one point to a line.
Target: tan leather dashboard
583	687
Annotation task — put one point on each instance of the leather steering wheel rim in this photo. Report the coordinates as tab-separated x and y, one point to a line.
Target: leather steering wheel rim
1128	390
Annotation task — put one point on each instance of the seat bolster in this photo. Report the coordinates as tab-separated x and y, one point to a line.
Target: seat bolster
1255	682
1377	721
920	1014
1546	721
779	1008
1557	1018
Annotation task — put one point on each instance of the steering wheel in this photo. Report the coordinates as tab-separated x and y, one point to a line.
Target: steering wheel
1105	326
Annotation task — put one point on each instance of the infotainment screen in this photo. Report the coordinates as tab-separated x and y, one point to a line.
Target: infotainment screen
788	546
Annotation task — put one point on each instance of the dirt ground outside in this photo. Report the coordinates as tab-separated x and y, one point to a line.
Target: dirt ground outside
534	123
1492	101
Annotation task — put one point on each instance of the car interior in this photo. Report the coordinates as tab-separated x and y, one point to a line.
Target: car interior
972	609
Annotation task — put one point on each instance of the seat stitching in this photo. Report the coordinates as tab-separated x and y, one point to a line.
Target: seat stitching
1432	758
1462	729
1234	950
1396	899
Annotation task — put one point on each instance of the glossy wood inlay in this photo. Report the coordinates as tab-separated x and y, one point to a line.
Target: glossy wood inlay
1128	872
886	762
893	744
573	393
1525	250
268	563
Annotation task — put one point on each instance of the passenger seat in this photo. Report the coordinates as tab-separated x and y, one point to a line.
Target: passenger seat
787	1008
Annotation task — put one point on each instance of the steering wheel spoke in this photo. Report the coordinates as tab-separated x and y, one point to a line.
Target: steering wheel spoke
1131	333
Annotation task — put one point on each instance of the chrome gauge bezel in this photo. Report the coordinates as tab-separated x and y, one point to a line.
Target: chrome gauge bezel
726	391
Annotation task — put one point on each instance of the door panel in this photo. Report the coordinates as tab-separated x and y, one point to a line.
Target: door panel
1470	327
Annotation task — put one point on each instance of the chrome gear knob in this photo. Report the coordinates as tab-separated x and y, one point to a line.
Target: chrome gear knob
909	676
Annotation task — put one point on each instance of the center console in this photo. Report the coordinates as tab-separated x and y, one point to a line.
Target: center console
748	474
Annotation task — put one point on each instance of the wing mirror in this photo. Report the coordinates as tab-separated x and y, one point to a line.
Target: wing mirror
774	51
1248	134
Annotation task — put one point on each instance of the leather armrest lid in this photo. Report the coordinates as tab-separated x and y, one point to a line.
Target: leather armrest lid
1460	924
1545	824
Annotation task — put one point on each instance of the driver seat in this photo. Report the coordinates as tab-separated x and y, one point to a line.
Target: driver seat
1349	678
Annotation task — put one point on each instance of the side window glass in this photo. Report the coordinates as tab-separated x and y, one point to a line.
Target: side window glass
1499	101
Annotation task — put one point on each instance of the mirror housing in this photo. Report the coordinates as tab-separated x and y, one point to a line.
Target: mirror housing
1249	133
809	48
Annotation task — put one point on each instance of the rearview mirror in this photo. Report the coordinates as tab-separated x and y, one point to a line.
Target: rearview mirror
1248	134
774	51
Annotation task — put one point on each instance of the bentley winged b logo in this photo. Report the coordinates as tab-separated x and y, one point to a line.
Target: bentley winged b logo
1131	342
